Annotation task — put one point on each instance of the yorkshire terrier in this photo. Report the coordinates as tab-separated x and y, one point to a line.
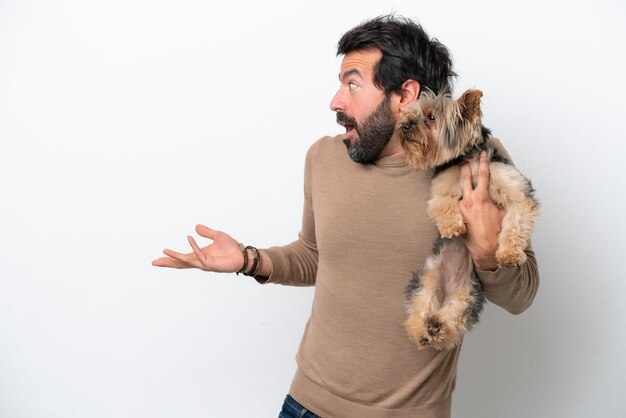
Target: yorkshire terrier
445	297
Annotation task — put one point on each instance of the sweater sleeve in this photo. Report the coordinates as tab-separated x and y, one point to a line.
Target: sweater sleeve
295	264
512	288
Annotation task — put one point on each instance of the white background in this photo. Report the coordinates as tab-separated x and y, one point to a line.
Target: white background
123	123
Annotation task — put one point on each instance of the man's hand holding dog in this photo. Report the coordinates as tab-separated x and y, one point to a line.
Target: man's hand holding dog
483	218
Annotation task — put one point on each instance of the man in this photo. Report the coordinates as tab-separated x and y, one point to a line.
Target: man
364	231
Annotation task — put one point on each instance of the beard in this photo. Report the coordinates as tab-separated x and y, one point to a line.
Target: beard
373	134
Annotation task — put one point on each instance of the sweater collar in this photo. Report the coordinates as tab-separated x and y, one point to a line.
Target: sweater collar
398	160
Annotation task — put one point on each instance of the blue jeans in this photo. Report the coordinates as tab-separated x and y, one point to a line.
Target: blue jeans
292	409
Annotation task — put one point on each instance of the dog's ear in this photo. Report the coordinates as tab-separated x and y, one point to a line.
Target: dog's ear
469	104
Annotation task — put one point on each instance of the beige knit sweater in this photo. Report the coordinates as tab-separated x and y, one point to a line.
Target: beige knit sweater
364	231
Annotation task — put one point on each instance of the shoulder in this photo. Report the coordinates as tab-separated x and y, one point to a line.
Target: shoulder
327	143
326	147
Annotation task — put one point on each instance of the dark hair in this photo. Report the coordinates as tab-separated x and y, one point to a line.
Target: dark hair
408	53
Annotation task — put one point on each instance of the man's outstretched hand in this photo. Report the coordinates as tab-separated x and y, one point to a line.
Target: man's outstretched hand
222	255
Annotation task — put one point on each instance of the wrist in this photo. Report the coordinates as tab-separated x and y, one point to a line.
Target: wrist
248	264
244	256
255	264
485	263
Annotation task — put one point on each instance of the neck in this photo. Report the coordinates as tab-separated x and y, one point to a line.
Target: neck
392	148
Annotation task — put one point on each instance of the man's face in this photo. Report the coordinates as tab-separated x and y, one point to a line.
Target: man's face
362	108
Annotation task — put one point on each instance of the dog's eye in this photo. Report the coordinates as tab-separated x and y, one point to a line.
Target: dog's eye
406	127
432	118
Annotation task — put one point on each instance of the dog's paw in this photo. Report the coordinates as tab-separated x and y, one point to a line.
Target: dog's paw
429	333
421	330
451	226
510	257
433	326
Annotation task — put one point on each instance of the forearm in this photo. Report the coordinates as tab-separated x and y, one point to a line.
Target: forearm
294	264
512	288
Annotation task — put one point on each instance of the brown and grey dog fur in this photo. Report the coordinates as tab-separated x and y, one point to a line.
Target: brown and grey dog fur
445	297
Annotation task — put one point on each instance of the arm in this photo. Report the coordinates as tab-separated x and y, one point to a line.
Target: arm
293	264
512	288
296	264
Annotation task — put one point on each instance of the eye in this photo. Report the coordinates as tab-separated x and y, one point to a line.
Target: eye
431	118
406	127
352	85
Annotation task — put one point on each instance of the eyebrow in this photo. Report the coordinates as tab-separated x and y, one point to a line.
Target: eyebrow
349	73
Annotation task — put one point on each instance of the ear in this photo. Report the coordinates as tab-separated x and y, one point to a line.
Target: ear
410	93
469	104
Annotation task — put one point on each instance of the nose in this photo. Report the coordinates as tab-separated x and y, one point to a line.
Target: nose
337	104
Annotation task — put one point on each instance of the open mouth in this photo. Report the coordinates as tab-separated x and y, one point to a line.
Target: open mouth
347	122
349	128
348	137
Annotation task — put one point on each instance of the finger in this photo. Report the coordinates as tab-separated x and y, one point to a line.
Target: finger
190	259
466	179
206	232
170	262
197	251
184	258
483	172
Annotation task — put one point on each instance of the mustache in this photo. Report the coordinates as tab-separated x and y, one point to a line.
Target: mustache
343	118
